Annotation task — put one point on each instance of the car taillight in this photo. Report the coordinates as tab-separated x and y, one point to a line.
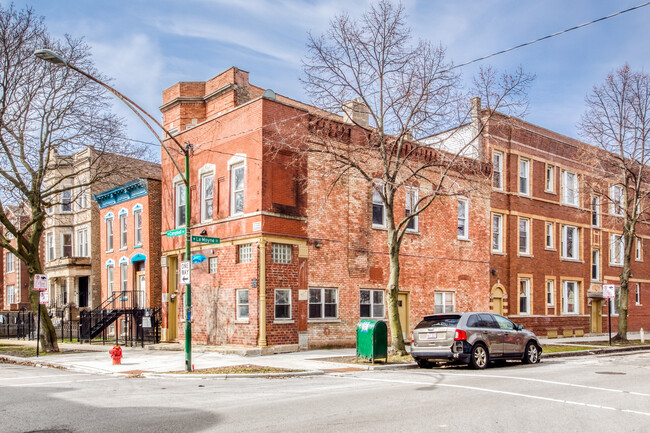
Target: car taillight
460	335
412	339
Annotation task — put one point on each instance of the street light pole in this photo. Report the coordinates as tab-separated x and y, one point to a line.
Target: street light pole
57	59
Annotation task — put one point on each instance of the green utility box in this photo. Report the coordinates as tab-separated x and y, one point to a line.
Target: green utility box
372	340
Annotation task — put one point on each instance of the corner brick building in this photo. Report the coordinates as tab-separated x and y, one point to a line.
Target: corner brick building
555	243
293	270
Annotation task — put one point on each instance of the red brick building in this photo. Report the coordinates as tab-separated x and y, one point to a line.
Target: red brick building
314	267
555	242
129	217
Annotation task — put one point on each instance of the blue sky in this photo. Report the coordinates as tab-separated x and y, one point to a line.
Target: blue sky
146	46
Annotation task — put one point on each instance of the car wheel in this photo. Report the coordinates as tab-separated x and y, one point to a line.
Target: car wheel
531	355
423	363
479	358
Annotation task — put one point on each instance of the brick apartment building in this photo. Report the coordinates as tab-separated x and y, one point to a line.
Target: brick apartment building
72	228
554	242
314	267
129	216
15	278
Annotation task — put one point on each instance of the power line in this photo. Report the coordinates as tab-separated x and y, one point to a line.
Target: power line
548	36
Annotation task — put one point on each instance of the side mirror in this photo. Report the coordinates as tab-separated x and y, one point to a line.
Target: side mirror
519	327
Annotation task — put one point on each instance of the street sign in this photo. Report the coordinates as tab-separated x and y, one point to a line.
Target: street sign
609	291
185	272
206	239
177	232
146	322
40	282
44	298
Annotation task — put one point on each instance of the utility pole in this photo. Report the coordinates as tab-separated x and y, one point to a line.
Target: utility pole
188	252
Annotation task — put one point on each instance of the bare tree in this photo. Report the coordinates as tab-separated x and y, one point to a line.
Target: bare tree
47	114
402	96
617	122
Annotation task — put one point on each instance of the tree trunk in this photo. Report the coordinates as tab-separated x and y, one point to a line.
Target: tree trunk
397	338
621	335
48	333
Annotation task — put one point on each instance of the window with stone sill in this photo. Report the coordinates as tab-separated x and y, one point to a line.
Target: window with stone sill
242	304
245	253
323	303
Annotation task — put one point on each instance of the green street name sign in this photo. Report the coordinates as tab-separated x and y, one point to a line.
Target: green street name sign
206	239
177	232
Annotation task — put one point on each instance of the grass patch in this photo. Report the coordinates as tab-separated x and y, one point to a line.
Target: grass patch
238	369
555	348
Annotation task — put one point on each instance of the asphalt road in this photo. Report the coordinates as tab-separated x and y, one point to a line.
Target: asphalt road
595	394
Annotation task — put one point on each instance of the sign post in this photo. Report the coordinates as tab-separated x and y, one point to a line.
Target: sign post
40	285
609	291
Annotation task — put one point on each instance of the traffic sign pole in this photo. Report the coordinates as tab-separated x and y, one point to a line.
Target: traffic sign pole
188	242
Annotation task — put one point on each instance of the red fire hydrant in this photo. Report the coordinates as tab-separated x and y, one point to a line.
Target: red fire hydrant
116	354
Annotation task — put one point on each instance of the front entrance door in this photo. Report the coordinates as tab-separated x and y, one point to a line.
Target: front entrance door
596	318
142	290
403	310
83	292
172	302
497	300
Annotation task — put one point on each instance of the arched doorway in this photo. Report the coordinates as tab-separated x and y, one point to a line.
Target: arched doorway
496	296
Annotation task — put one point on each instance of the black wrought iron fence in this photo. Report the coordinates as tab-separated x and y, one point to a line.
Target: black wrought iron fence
17	324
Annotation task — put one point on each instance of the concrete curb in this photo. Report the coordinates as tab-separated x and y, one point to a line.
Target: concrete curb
232	376
604	351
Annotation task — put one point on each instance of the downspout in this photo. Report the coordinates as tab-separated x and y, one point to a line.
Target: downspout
262	301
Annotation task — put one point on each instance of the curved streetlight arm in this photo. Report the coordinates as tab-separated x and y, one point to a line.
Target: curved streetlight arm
57	59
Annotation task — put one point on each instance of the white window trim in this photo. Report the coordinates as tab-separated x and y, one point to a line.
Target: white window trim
549	178
444	294
50	247
565	303
500	169
372	304
570	191
70	203
204	216
499	248
238	160
375	189
464	236
528	293
613	204
612	245
12	261
552	292
282	319
177	182
595	210
638	250
211	261
527	176
322	317
527	252
546	235
124	229
137	229
62	237
413	193
596	263
238	316
564	253
637	295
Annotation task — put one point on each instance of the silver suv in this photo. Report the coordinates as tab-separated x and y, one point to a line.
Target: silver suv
472	338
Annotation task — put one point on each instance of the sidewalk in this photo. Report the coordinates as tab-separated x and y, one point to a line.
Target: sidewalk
171	358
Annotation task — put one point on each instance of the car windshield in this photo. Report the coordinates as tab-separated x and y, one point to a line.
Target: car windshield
446	320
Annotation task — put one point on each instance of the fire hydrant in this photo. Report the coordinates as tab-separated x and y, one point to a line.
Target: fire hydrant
116	354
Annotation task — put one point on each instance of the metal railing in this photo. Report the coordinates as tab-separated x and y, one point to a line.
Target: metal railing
17	324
